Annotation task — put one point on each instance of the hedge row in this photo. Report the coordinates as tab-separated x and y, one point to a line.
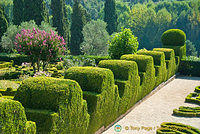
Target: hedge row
176	128
187	111
197	89
193	98
6	64
189	68
56	105
17	58
13	119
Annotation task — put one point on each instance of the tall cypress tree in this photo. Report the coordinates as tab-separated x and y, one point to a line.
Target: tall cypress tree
18	11
34	10
110	16
78	21
3	23
59	17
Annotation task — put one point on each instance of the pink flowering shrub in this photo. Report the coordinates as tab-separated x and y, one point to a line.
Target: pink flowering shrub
39	45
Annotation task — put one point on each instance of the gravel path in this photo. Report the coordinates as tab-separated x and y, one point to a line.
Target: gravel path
159	108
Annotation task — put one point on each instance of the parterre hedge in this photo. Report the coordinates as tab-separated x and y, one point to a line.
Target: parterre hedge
17	58
13	119
189	68
56	105
197	89
193	98
146	71
176	128
100	92
127	79
187	111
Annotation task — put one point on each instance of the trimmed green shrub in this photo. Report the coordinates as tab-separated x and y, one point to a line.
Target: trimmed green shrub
122	43
13	118
100	93
180	51
188	67
193	98
173	37
187	111
5	64
1	95
17	58
176	128
146	71
56	105
10	75
169	59
30	127
197	89
128	81
159	64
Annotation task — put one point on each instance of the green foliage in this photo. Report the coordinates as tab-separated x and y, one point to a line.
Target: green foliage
146	72
18	6
13	118
187	111
197	89
3	24
159	64
8	39
173	37
48	101
193	98
190	66
127	79
78	21
95	38
100	93
17	58
122	43
170	60
110	16
34	10
59	19
190	49
171	127
30	127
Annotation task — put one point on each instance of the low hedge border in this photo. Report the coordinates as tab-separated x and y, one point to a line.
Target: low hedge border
190	68
193	98
187	111
197	89
176	128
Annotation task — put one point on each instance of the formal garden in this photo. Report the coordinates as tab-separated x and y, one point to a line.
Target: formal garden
58	82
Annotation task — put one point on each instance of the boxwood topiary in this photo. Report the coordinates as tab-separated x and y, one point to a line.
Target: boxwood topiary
173	37
13	119
197	89
187	111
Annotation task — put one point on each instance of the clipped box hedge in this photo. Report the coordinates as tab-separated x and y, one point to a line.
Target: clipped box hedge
13	119
127	79
176	128
5	64
187	111
146	71
193	98
189	68
56	105
17	58
169	59
197	89
100	92
159	64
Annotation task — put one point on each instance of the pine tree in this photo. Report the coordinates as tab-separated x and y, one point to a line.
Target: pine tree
35	10
59	19
78	21
18	11
110	16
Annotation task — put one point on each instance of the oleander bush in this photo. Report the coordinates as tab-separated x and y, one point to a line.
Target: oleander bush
170	61
56	105
146	71
127	79
13	118
122	43
100	92
193	98
197	89
159	64
176	128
